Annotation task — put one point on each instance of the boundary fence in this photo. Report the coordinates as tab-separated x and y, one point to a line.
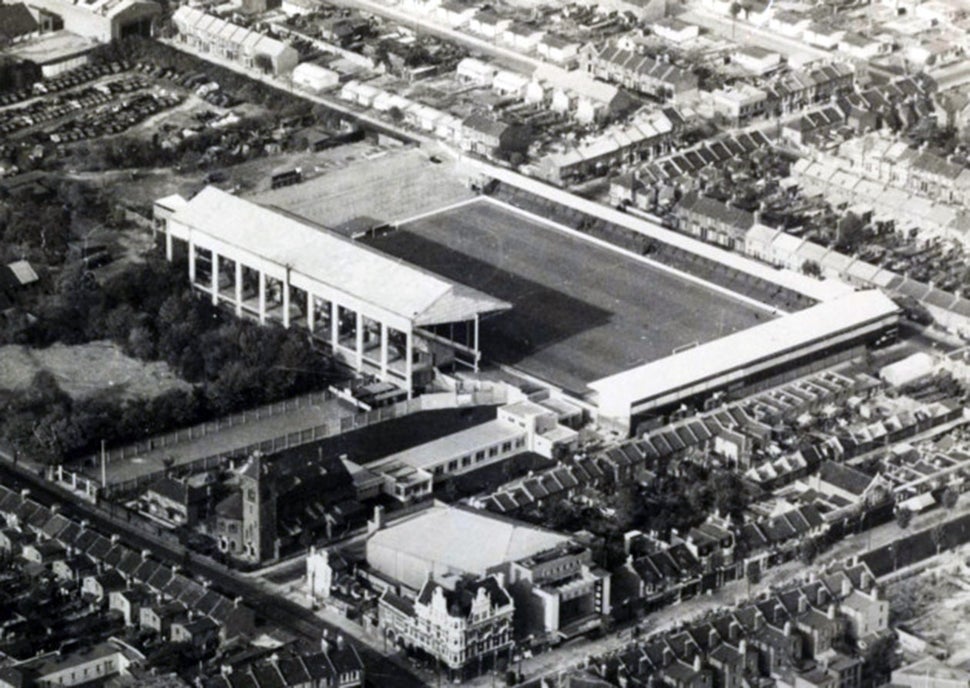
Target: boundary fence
428	402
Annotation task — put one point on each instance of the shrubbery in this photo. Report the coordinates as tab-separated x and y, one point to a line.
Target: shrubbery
150	312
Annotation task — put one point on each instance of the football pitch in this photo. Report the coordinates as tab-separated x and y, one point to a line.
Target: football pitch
580	311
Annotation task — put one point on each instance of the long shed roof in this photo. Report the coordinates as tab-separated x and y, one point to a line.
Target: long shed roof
330	259
745	347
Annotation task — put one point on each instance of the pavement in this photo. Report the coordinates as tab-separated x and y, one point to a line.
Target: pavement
361	115
745	33
742	32
262	598
571	655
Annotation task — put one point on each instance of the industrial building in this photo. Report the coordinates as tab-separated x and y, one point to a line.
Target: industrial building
411	475
377	315
556	588
101	20
819	335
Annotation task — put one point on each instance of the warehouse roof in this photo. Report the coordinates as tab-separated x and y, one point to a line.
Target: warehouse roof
328	258
465	539
744	348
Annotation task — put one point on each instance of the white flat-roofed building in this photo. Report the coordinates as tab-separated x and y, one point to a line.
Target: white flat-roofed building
376	314
675	30
739	103
410	475
508	83
314	77
475	72
756	60
814	334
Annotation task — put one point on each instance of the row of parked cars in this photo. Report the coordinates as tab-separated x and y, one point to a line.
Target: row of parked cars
70	79
114	119
199	82
52	108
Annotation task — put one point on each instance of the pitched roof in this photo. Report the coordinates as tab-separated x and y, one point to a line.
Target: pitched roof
459	599
16	20
170	488
694	202
845	477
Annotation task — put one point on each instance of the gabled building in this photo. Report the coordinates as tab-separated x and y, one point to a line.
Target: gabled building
637	72
16	24
101	20
713	221
208	33
464	623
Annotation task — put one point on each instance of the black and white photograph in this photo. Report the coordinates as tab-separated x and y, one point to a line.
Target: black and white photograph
538	343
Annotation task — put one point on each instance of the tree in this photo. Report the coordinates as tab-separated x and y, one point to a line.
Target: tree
938	534
812	269
903	517
735	10
808	551
879	659
949	498
752	574
263	63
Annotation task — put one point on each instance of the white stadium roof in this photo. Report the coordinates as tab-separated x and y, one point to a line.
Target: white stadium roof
744	348
330	259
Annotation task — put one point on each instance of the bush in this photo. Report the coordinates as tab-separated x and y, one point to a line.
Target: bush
149	310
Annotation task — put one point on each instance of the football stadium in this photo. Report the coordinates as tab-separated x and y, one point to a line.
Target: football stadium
482	281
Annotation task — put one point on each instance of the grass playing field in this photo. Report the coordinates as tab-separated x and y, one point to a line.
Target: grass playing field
580	312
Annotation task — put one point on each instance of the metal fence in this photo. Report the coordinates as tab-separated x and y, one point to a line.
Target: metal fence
173	439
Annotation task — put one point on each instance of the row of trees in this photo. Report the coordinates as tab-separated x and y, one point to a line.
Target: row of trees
678	500
148	310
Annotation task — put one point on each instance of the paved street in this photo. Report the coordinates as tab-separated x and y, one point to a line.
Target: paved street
275	609
549	663
415	21
742	32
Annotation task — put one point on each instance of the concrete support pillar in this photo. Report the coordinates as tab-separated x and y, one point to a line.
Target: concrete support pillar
383	351
215	278
191	262
409	362
286	300
262	297
169	250
359	336
334	325
310	319
239	289
478	354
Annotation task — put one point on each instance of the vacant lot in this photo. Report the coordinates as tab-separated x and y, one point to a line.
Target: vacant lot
87	370
580	312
